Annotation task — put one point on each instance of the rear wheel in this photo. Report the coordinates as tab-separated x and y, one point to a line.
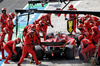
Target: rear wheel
69	52
19	53
39	52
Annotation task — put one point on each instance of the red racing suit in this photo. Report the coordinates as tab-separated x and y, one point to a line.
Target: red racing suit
2	36
3	19
10	26
29	46
95	38
39	29
87	30
47	18
73	17
44	29
86	46
25	29
10	45
37	39
47	21
80	27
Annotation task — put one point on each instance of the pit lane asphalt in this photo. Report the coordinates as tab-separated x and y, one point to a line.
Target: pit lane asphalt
59	25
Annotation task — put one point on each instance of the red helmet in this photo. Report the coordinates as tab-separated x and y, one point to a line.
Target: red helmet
95	18
3	9
37	21
33	27
95	29
88	15
18	39
81	19
90	20
43	17
71	6
80	37
11	15
86	23
34	22
5	29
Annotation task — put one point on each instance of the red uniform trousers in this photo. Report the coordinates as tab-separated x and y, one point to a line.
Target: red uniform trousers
28	49
87	49
75	22
6	48
3	26
45	31
1	49
10	33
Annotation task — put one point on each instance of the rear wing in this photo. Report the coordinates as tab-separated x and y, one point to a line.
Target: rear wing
52	43
32	11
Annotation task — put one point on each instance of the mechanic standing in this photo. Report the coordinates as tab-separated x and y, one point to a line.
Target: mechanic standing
3	18
2	36
80	26
9	46
40	28
10	25
48	19
29	45
37	39
47	22
95	38
72	16
87	30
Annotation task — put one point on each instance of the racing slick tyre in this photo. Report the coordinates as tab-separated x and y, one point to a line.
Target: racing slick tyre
19	54
69	52
39	52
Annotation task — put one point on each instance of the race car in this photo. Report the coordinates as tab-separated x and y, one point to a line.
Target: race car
52	48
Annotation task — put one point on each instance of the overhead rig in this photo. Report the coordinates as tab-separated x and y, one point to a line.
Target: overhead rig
32	11
96	13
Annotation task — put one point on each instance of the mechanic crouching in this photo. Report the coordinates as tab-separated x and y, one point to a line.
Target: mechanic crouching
28	43
86	46
9	46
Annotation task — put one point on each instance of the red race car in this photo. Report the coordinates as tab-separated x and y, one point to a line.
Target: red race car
58	45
